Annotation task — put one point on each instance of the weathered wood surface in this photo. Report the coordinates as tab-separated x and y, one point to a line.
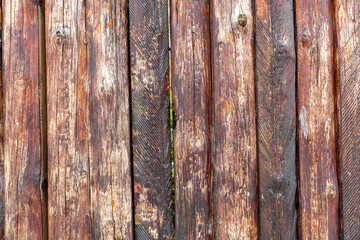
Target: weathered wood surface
191	81
276	108
68	200
2	177
149	45
109	119
318	193
22	162
235	163
90	191
347	16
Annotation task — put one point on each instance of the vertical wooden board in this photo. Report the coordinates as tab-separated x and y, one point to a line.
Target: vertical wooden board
23	215
109	119
191	81
68	198
318	193
276	104
149	45
235	163
2	177
347	15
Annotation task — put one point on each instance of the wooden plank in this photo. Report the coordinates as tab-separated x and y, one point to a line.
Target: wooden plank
109	119
191	82
2	177
23	215
276	108
318	193
88	104
67	134
235	163
149	45
347	15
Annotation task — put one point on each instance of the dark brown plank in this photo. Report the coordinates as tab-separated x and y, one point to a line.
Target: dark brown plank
149	45
22	162
318	193
109	119
191	82
347	16
68	198
235	163
276	107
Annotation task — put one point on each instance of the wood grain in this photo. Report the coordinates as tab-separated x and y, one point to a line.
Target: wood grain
318	193
2	177
235	163
90	193
67	131
191	82
276	108
149	47
109	119
347	16
22	162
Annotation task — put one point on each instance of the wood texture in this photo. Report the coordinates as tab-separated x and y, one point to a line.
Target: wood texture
191	81
149	46
2	177
22	162
90	191
276	107
67	136
318	193
347	16
235	163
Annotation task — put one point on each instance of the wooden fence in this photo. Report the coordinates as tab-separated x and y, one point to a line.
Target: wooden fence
266	123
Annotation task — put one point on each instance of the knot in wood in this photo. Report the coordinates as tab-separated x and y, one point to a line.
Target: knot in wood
242	19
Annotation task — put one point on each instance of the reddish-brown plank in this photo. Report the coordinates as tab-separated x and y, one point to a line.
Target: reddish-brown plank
2	178
318	193
22	161
347	17
109	119
191	83
90	193
68	198
149	47
235	163
276	108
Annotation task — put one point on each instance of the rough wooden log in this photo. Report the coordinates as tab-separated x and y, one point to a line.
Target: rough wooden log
191	81
235	163
149	47
347	16
276	108
67	134
318	193
90	191
22	161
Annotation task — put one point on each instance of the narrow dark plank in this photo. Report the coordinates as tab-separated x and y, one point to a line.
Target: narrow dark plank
347	15
149	45
23	215
318	193
276	107
235	163
191	81
109	119
68	198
